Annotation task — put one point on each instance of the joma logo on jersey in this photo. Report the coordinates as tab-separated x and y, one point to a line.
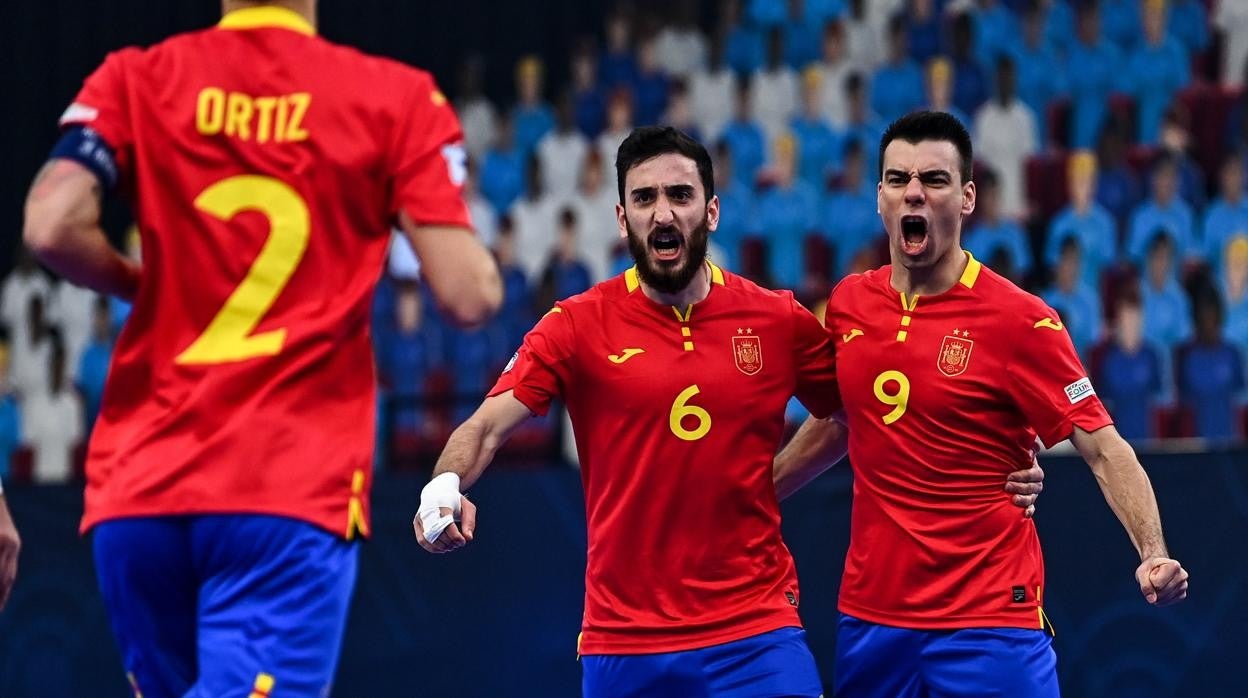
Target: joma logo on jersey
747	354
955	355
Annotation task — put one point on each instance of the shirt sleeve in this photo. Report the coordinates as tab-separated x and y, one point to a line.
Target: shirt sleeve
814	356
539	370
103	105
1047	380
428	161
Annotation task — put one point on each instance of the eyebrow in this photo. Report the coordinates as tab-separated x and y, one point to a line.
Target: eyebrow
922	175
669	189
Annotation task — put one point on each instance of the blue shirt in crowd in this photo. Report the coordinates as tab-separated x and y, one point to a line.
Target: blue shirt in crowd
1175	219
1210	377
1155	74
1092	74
896	89
1081	314
985	240
1097	236
1130	384
1167	314
791	214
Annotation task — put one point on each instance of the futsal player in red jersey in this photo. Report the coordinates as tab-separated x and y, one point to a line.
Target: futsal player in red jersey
675	375
228	473
948	373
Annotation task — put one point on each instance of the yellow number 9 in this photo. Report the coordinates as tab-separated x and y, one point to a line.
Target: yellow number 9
680	410
898	399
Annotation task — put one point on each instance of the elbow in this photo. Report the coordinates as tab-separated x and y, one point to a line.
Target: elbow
44	232
480	300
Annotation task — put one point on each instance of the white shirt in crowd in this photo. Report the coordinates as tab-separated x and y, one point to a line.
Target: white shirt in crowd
773	101
711	95
561	156
480	125
15	297
1005	136
680	51
832	102
69	309
595	217
535	222
484	219
52	427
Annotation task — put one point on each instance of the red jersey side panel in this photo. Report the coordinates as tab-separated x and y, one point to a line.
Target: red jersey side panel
264	183
677	420
945	395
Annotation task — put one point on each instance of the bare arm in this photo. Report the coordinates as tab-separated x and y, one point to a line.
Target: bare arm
458	269
1130	494
63	230
818	445
467	454
10	546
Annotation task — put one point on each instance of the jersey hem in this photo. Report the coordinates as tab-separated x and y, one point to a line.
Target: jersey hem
90	520
1027	619
664	645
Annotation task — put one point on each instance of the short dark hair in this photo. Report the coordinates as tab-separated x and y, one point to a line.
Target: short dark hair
649	142
931	126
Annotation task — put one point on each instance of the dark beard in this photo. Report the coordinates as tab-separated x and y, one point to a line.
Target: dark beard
663	277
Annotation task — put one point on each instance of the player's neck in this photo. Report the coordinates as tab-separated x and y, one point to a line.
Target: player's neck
933	280
304	8
699	287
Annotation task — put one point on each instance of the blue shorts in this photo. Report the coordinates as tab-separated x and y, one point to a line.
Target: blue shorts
225	605
879	660
776	663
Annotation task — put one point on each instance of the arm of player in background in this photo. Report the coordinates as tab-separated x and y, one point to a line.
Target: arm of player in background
821	443
10	546
1129	493
817	446
468	452
458	269
63	230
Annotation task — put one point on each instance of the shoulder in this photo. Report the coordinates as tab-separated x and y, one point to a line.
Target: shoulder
745	291
855	285
1014	306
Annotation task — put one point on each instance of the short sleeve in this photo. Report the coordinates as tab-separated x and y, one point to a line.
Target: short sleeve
539	370
1047	380
428	162
103	105
814	357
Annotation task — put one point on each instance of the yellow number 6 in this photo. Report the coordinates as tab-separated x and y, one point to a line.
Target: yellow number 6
228	336
898	399
680	410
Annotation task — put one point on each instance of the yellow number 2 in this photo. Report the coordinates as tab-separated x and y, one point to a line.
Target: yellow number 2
681	409
228	336
898	399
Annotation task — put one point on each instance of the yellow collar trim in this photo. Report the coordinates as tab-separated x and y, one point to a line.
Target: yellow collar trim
717	274
631	282
266	16
971	272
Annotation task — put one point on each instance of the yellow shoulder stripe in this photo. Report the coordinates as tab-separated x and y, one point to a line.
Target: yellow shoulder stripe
973	267
266	16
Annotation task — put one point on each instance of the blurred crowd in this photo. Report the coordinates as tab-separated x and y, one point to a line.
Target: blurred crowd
1111	140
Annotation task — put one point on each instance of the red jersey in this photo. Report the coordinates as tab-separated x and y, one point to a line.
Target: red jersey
945	397
677	419
264	167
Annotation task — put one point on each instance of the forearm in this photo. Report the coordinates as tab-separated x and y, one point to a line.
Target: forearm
817	446
468	453
1129	493
62	229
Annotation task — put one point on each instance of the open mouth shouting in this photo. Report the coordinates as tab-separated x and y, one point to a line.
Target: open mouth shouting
913	235
667	244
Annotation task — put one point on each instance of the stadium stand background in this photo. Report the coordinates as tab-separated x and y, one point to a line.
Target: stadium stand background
523	604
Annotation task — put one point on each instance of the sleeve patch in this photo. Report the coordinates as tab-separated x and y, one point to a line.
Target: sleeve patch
79	113
1079	390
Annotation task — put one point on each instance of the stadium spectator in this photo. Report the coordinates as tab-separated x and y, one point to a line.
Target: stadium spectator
712	91
480	210
971	84
679	112
562	152
535	218
1157	68
502	173
409	347
745	138
773	93
589	97
26	280
817	144
801	36
833	68
594	206
93	366
566	273
1036	58
1119	187
69	311
897	86
618	66
52	419
850	220
517	314
1005	136
995	28
1167	309
1233	282
619	124
1210	374
10	418
743	44
938	85
820	12
1085	221
864	34
531	117
1078	303
993	236
767	14
480	120
1166	211
791	207
1057	21
737	203
1231	20
28	365
862	124
651	85
924	30
1129	378
1227	219
680	47
1095	69
1176	141
1189	23
1122	23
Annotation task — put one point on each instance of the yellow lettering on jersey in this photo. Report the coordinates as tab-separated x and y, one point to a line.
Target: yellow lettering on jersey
625	355
1048	322
263	686
300	100
267	118
238	116
210	111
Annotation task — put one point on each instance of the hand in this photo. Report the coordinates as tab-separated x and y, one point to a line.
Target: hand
1162	581
10	545
1026	486
455	536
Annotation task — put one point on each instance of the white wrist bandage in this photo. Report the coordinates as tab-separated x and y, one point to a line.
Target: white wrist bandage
441	492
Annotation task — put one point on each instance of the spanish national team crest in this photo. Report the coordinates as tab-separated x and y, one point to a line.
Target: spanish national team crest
955	355
747	353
